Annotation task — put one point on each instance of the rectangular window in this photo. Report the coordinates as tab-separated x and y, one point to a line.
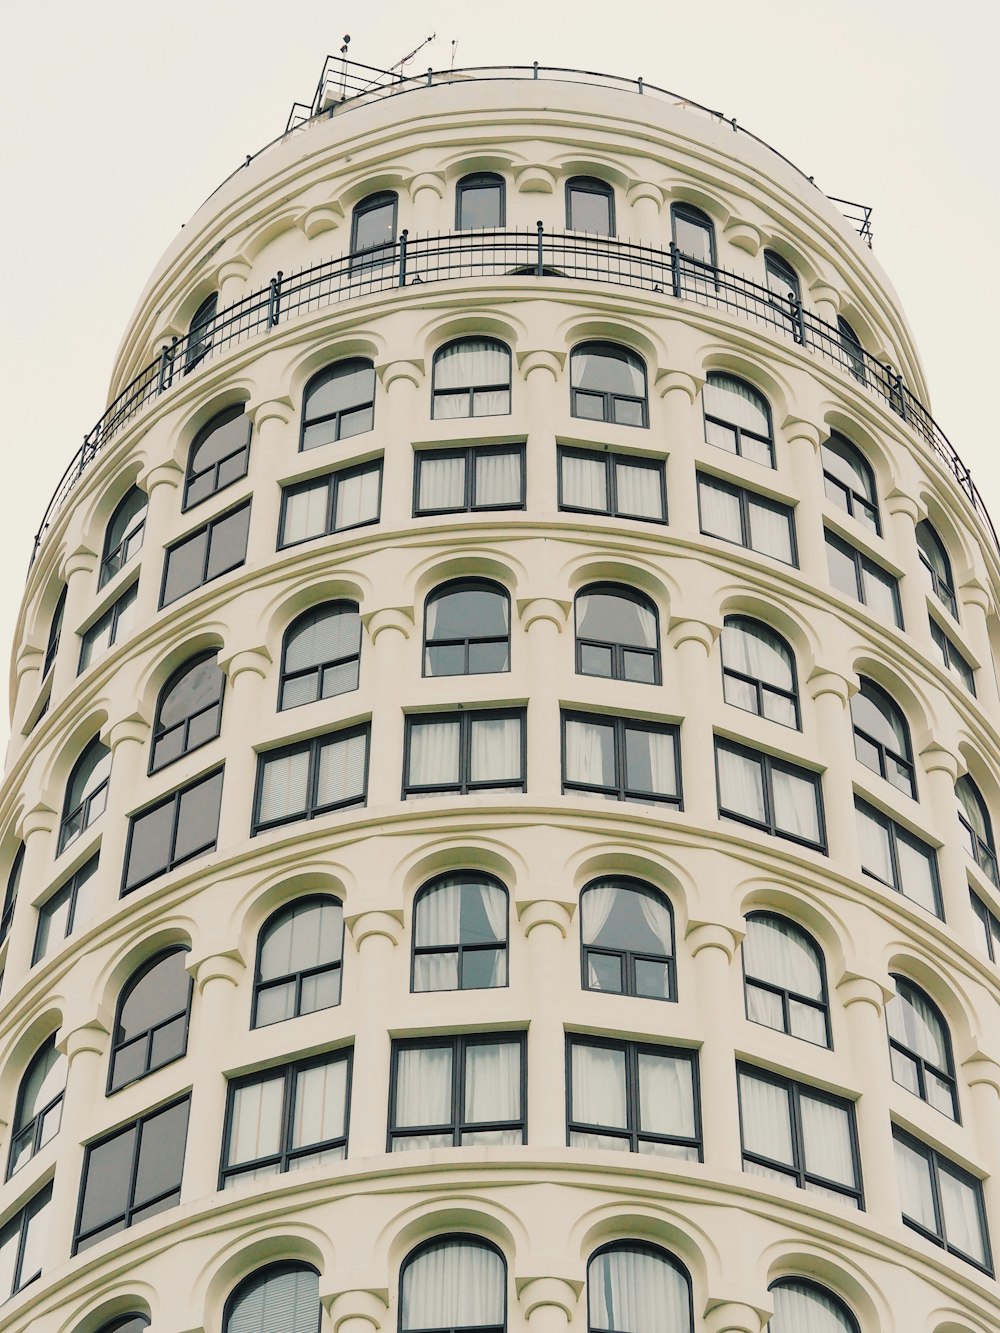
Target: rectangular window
181	825
106	631
621	758
794	1132
856	576
737	515
952	658
205	554
894	856
311	777
630	1096
131	1174
22	1241
941	1201
482	750
60	914
457	1091
769	793
455	481
286	1118
990	926
607	483
331	503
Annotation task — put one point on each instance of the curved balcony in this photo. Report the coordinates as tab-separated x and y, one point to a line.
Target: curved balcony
530	254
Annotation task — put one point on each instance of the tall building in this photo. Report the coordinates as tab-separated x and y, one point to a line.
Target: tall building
497	831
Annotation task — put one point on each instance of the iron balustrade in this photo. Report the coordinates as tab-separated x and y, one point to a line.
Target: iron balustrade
411	261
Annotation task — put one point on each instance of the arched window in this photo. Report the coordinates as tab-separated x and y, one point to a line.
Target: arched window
467	629
850	481
694	235
151	1023
10	893
590	205
338	402
758	671
634	1287
977	826
320	655
627	933
457	1284
86	792
937	566
782	280
39	1105
373	230
920	1047
188	711
219	455
784	979
738	418
805	1307
300	952
471	378
852	352
55	632
199	336
608	383
479	201
617	634
281	1298
460	933
881	736
123	537
126	1323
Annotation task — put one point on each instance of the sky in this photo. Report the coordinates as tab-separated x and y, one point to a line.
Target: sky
120	116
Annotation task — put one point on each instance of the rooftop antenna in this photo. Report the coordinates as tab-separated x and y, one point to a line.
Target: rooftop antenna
454	48
343	56
406	59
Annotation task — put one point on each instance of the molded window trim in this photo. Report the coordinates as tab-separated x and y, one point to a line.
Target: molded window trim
232	429
200	725
462	779
937	1166
900	848
933	1082
332	665
642	972
797	1008
770	768
124	534
481	183
340	413
576	208
627	755
471	958
633	660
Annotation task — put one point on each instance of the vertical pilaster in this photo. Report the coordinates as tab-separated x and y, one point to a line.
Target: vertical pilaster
388	629
683	427
216	978
84	1048
360	1310
38	833
691	641
941	771
864	999
713	947
376	937
542	371
904	513
403	382
427	192
550	659
546	925
830	726
646	200
803	441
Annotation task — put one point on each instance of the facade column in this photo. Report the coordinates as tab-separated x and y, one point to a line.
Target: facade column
863	999
942	769
271	436
231	280
691	641
427	190
546	925
250	693
542	371
803	443
77	573
403	383
983	1077
833	732
548	1304
976	604
216	978
906	513
647	201
376	935
389	629
682	423
360	1310
126	739
825	302
735	1317
38	833
161	484
28	671
713	947
84	1048
543	620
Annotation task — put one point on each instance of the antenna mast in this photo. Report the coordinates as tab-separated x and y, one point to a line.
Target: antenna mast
406	59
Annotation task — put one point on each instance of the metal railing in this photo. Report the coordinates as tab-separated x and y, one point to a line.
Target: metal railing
411	261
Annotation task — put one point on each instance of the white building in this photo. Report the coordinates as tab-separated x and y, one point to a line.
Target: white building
497	827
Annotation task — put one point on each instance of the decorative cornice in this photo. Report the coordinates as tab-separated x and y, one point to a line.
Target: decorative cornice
280	409
822	681
744	235
427	180
531	610
545	912
321	217
713	935
666	381
686	629
535	180
532	1292
224	965
79	561
366	925
541	358
405	369
167	473
255	660
132	728
937	757
645	190
398	618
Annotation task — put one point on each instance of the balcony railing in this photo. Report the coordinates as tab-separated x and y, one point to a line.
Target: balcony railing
524	256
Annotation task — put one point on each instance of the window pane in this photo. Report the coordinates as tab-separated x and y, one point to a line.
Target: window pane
423	1086
590	753
492	1082
497	478
342	765
963	1226
496	749
589	211
796	808
666	1095
650	762
453	1285
149	845
161	1154
305	511
434	750
441	483
916	871
357	498
720	511
765	1112
632	1290
185	565
320	1103
585	483
916	1192
599	1086
284	785
826	1137
843	572
228	542
106	1180
198	817
741	784
255	1127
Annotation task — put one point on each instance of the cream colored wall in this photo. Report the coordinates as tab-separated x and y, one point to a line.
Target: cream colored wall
548	1207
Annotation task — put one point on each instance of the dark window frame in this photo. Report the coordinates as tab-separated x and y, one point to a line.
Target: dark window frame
337	605
147	1035
55	631
739	431
612	351
454	1238
843	1309
368	256
922	1066
159	731
697	217
629	957
218	422
610	458
853	350
130	1322
618	650
955	662
199	341
258	1277
939	1237
108	619
312	745
893	829
11	891
464	784
460	949
860	562
640	1247
478	180
769	763
302	974
982	850
19	1222
887	706
745	495
286	1155
86	805
333	480
760	686
943	588
784	993
125	546
206	530
853	500
471	389
174	797
633	1133
990	923
621	723
469	455
462	585
778	267
317	381
590	185
31	1131
68	890
459	1043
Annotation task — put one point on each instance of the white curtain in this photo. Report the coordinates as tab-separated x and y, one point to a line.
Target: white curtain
720	511
494	902
589	753
492	1082
595	908
305	512
320	1103
734	401
433	753
662	761
799	1307
914	1024
767	1126
584	483
283	1302
826	1134
915	1190
796	807
874	842
771	530
666	1095
741	784
256	1122
284	785
471	361
423	1086
960	1207
599	1086
639	492
457	1284
439	914
754	651
442	483
496	749
307	937
498	477
357	498
916	873
635	1291
342	769
880	594
777	951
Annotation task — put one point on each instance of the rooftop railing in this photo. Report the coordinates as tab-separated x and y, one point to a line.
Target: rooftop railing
527	256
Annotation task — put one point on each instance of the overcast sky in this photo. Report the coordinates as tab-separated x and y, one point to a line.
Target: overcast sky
120	116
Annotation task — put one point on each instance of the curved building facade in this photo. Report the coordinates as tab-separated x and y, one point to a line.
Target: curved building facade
497	833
